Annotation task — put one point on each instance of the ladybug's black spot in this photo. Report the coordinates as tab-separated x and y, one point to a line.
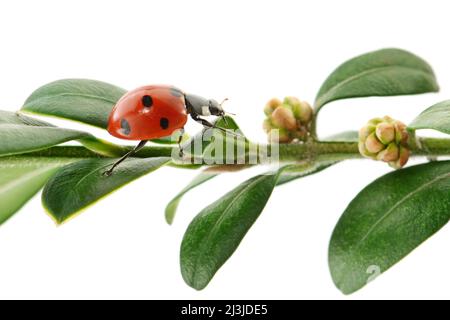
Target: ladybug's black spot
176	92
147	101
164	123
125	126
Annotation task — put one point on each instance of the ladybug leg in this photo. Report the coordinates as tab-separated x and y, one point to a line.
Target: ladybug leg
208	124
181	153
205	122
129	153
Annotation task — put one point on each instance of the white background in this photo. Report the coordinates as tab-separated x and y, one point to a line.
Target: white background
248	51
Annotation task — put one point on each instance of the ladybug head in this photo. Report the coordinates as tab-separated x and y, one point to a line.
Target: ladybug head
204	107
215	108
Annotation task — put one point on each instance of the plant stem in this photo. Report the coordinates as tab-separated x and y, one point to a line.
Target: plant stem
314	125
311	151
314	150
430	147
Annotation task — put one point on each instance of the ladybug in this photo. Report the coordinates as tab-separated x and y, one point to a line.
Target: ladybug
156	111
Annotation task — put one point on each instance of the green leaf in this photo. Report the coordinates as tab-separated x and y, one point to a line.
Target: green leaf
21	179
215	233
436	117
293	172
172	206
346	136
87	101
81	184
386	221
20	134
386	72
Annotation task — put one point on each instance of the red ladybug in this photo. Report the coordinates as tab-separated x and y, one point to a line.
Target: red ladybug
157	111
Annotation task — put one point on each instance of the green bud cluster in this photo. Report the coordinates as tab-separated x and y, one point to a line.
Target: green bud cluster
385	139
290	117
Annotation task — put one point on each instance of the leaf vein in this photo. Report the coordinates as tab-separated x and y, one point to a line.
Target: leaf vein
84	95
24	178
405	198
322	99
216	224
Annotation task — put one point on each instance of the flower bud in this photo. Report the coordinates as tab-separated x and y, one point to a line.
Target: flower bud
401	133
363	150
271	106
373	145
302	110
375	121
402	160
385	132
292	115
365	131
389	154
283	117
385	139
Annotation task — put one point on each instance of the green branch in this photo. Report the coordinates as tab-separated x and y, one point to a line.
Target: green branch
311	150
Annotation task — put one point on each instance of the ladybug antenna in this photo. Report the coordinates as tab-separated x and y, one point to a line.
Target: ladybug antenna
223	112
226	112
223	101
